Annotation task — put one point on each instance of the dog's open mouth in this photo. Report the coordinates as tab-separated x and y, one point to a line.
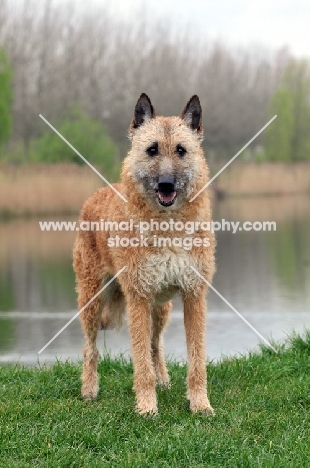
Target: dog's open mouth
166	198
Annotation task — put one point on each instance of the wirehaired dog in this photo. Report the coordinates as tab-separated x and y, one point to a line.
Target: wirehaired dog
163	170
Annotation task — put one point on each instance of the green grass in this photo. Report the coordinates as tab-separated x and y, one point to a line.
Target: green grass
262	416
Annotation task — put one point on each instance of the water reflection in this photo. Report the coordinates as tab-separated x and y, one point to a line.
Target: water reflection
265	275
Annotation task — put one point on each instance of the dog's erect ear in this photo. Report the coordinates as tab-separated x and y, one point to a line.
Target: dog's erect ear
192	114
143	111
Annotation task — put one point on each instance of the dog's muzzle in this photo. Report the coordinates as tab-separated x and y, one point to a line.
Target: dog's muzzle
166	190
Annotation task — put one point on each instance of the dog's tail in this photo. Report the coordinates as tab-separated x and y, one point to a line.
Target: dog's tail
114	307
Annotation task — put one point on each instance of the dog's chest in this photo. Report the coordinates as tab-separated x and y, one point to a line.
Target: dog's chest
165	273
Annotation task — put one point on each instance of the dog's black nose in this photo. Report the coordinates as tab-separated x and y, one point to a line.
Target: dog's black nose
166	183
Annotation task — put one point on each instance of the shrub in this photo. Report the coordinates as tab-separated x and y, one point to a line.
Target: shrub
87	135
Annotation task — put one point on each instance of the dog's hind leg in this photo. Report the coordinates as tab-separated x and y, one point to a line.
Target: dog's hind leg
160	318
89	282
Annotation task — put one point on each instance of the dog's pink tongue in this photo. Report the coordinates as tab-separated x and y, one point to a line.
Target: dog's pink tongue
166	197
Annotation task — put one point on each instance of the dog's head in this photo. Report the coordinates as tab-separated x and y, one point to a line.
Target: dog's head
166	159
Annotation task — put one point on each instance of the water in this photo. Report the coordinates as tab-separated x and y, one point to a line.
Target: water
264	275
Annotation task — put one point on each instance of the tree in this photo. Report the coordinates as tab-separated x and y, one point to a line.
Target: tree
6	97
279	134
90	57
87	135
297	80
288	138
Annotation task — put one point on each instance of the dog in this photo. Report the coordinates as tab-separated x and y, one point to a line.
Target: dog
164	168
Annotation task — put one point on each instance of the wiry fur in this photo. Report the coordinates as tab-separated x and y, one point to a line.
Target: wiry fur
153	275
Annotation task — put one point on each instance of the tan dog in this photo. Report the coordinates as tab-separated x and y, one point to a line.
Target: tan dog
164	168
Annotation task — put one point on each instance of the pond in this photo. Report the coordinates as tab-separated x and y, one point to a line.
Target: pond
264	275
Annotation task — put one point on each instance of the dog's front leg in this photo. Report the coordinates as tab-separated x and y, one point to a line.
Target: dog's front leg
139	313
194	320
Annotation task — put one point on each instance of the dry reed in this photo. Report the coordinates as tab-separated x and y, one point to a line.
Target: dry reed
62	188
265	179
41	189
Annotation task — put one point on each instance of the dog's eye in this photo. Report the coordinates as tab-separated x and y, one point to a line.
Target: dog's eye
180	150
153	149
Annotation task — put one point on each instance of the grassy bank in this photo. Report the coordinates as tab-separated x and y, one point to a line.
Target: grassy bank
262	416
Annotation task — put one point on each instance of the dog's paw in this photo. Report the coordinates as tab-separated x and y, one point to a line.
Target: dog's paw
89	392
147	406
201	404
147	411
164	382
204	409
162	376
